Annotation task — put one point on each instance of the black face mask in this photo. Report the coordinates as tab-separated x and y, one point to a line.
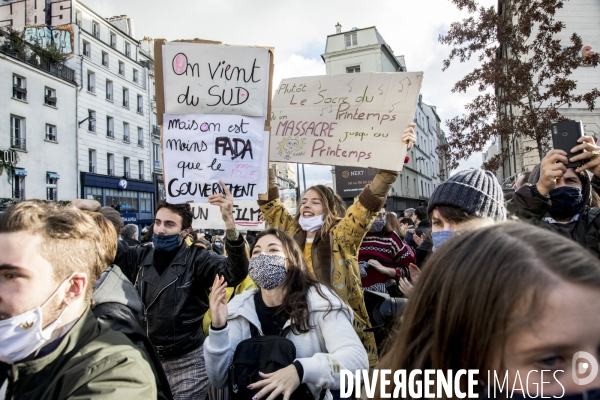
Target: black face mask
566	202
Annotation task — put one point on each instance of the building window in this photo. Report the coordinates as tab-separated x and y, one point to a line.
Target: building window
121	68
351	39
353	70
125	201
50	97
19	88
140	104
146	202
87	49
141	169
126	169
92	160
51	186
141	137
125	98
128	49
110	164
17	133
136	75
91	120
113	40
110	127
156	156
78	17
105	59
18	183
91	82
125	132
109	90
51	133
93	193
95	29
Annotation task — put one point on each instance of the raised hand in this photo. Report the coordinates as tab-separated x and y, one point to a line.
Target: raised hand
553	166
225	202
409	136
590	155
218	302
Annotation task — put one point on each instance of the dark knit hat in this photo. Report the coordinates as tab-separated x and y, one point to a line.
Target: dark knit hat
474	191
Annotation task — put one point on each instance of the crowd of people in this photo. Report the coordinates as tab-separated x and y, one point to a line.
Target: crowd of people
92	309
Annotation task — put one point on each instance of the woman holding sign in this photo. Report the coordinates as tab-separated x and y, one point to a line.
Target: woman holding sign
330	238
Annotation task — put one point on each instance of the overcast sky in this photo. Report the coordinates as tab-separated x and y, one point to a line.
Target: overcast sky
298	30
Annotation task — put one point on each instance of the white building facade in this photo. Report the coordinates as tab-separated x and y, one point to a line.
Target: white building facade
37	144
113	114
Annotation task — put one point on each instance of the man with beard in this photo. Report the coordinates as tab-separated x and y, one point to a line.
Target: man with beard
51	345
559	198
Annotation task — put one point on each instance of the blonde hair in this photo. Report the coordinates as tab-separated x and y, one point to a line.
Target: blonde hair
73	240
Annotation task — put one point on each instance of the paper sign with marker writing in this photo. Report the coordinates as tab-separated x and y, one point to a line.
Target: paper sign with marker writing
245	212
200	150
350	119
215	79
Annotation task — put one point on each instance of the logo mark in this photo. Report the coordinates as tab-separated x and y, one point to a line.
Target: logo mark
345	174
27	325
590	364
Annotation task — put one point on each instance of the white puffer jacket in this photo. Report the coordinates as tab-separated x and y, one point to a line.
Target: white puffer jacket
330	346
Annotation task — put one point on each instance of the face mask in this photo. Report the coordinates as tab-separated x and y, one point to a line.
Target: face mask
566	202
22	334
165	242
377	225
218	244
267	270
440	237
311	224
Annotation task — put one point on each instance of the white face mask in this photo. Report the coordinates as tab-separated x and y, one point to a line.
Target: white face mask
311	224
22	334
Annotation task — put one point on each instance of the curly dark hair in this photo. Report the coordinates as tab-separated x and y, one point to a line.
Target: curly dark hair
183	210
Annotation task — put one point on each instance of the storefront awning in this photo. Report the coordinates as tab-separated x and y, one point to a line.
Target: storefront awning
20	172
52	175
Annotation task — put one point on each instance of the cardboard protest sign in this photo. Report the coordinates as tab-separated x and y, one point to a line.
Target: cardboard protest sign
200	150
347	120
245	213
215	79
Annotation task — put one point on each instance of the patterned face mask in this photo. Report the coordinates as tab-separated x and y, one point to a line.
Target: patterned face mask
267	270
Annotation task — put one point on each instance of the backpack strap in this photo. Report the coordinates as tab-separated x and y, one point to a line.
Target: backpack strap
253	330
284	332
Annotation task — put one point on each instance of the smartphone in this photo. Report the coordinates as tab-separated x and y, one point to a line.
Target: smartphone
564	137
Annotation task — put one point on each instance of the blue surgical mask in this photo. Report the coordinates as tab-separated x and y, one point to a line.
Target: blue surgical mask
440	237
165	242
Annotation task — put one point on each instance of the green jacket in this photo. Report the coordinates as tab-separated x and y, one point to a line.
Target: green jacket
91	362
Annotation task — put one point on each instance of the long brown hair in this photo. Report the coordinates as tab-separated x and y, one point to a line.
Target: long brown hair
334	207
297	283
464	306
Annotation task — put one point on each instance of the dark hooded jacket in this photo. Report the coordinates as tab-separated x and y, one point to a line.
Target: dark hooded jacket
116	305
530	205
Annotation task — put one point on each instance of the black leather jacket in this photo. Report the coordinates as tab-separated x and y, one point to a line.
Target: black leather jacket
175	302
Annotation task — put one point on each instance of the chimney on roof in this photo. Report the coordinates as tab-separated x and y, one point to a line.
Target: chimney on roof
338	28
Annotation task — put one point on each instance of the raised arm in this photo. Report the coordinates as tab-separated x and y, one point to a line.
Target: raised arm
234	267
275	214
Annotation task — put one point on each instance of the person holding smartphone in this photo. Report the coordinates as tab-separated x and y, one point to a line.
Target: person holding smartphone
559	198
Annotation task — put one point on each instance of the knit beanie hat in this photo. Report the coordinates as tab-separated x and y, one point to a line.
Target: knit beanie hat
474	191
